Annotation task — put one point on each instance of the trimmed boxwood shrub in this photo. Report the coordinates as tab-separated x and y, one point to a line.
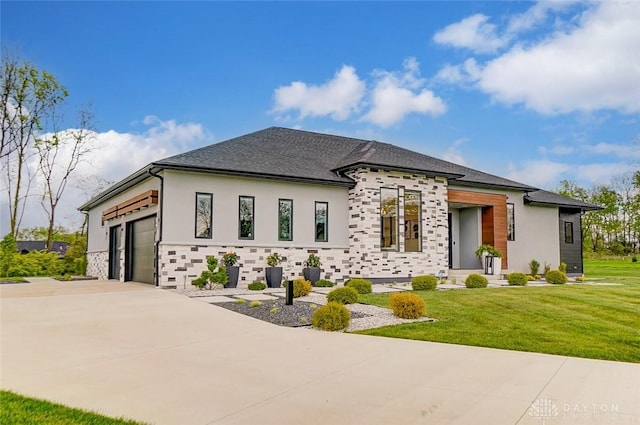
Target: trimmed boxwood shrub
331	317
345	295
256	286
518	279
301	288
424	283
556	277
363	286
407	306
323	283
476	281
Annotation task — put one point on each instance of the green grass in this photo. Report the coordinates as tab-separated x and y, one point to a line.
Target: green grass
599	322
17	409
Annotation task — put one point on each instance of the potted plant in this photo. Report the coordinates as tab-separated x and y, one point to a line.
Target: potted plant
213	276
311	271
229	260
273	273
485	250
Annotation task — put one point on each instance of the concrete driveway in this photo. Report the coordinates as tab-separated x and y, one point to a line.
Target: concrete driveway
159	357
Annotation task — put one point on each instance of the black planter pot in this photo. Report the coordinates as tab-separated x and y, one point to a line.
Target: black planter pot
232	275
274	276
312	274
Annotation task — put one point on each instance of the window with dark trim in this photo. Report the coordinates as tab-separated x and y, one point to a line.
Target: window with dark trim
285	219
246	217
511	223
389	219
322	221
568	232
412	221
204	215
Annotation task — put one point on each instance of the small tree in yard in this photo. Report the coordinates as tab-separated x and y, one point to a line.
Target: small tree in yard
214	275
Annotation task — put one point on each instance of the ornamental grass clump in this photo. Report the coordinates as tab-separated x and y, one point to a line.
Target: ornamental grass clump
556	277
476	281
331	317
424	283
256	286
407	306
345	295
517	279
363	286
301	288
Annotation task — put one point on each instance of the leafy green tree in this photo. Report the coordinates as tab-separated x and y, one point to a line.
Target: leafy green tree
28	97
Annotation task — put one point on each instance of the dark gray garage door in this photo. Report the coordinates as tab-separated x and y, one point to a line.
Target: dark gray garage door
141	246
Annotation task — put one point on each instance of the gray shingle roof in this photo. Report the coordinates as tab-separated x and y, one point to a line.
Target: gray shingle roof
283	153
545	198
297	154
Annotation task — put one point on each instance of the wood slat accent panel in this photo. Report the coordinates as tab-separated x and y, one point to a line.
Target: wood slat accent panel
145	199
494	217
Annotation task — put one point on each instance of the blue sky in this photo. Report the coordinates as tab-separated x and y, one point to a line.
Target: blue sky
533	91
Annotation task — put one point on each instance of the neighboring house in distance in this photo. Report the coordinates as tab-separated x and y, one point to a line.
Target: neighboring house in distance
25	247
367	208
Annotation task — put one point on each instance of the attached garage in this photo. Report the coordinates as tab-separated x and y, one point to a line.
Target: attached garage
140	250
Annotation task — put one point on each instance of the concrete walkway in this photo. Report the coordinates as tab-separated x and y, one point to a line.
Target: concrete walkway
160	357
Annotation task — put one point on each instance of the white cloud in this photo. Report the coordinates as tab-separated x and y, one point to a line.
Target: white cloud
536	15
539	173
557	150
602	173
397	94
454	154
467	72
594	66
474	33
338	98
620	151
116	156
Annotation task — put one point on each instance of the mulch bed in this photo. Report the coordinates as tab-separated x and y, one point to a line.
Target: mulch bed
278	313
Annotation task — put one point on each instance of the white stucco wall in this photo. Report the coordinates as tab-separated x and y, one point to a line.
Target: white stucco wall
179	210
537	237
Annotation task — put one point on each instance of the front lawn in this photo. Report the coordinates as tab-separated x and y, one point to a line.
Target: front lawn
599	322
17	409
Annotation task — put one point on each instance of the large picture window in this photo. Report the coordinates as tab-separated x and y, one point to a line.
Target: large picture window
204	215
285	219
246	217
322	220
412	221
511	223
389	218
568	232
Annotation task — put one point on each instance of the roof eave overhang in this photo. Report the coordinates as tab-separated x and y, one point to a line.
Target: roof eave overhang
119	187
522	188
533	203
395	168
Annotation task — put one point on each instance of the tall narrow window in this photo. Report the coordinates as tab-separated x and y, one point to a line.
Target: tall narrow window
412	221
204	210
511	223
389	218
246	217
285	219
568	232
322	220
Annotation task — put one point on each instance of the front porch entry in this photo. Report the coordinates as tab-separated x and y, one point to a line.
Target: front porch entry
475	218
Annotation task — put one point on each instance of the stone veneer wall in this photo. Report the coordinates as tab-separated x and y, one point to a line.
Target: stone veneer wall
367	258
180	264
98	264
